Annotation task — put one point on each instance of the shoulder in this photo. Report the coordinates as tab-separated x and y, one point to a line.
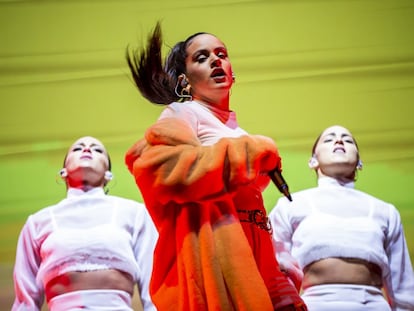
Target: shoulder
130	208
45	211
188	111
178	109
39	221
305	192
375	200
301	197
384	208
126	202
300	200
131	211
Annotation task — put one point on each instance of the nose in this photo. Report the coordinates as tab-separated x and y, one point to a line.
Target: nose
87	149
339	140
216	62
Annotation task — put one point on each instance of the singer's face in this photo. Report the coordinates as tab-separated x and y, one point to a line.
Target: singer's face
336	152
208	69
87	157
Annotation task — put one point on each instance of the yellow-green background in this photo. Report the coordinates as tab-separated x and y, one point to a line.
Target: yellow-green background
300	66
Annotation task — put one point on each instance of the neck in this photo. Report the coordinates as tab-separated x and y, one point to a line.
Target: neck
339	177
221	101
84	185
221	112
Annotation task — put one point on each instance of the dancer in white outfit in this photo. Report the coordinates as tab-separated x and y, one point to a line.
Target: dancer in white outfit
347	246
88	250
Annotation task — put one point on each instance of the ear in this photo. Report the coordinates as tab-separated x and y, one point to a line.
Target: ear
359	165
313	163
108	175
182	78
63	173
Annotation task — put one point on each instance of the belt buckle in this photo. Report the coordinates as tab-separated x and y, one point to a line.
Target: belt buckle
260	219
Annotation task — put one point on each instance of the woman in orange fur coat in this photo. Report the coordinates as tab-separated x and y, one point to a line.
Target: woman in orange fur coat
202	177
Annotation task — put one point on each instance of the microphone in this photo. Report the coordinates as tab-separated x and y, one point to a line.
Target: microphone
280	183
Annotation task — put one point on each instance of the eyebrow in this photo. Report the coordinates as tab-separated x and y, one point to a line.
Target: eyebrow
205	50
342	135
199	52
92	145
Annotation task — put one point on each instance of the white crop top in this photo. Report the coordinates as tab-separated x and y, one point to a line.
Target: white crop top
86	231
347	236
68	249
336	220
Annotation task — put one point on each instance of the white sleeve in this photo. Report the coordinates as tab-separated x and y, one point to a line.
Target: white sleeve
399	284
282	241
145	241
28	294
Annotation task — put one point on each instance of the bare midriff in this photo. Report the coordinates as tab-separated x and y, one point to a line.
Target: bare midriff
342	271
99	279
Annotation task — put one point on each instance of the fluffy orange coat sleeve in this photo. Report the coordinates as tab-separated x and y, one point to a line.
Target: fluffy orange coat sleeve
202	260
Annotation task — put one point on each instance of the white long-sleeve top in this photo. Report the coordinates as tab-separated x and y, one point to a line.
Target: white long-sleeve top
86	231
334	220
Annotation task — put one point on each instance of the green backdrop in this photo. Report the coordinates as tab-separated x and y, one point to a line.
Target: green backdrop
300	66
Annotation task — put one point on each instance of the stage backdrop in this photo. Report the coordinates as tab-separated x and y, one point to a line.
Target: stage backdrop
300	66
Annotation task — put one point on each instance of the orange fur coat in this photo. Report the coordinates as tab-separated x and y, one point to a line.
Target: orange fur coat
202	260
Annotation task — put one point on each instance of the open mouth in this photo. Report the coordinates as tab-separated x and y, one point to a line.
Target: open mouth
339	150
218	73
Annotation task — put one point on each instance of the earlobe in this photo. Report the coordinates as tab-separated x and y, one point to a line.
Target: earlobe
108	175
313	163
359	165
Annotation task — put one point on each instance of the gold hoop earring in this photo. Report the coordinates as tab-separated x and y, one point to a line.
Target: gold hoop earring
185	92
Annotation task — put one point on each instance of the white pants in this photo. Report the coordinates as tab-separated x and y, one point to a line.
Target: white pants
345	297
109	300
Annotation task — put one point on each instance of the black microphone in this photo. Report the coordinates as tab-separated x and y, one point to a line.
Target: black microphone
280	183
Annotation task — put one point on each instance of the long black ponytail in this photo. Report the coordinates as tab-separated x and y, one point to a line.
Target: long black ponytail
156	81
